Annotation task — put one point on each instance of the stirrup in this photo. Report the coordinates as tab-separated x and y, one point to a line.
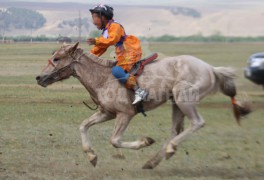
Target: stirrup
140	95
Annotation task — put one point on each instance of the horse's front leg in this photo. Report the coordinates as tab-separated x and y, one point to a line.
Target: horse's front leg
122	121
96	118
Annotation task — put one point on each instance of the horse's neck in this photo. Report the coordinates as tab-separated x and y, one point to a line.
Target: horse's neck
92	75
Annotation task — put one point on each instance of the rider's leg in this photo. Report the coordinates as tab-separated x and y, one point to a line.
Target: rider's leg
130	82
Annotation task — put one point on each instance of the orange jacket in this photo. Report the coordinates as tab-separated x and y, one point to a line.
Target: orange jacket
127	47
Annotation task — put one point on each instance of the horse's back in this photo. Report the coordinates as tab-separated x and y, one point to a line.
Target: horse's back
179	72
184	65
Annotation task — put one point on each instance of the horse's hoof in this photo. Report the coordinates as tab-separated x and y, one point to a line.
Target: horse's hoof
169	155
148	141
147	166
170	151
94	161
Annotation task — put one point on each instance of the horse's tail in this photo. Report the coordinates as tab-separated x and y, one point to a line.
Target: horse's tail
225	81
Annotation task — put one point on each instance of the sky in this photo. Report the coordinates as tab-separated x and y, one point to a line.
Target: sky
163	2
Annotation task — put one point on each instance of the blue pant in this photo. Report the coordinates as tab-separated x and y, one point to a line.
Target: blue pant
120	74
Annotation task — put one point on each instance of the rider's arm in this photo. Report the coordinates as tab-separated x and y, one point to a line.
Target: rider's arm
115	32
98	51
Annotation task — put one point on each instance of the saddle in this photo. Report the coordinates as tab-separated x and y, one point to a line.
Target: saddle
138	67
137	70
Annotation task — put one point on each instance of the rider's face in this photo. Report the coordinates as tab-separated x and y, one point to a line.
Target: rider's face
97	20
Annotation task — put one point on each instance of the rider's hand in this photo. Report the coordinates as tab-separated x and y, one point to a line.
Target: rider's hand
91	41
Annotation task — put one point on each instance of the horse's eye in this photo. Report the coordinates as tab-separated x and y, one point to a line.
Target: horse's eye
55	60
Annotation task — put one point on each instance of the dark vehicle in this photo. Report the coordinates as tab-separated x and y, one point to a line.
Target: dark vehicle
63	39
255	69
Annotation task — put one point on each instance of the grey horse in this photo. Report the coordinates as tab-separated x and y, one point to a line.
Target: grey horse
184	80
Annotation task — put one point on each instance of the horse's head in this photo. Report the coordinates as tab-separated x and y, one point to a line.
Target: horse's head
59	66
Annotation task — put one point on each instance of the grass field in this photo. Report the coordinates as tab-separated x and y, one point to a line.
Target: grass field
39	128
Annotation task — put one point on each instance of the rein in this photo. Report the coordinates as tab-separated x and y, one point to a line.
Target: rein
57	73
69	67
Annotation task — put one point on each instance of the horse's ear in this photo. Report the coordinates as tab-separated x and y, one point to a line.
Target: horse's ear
74	47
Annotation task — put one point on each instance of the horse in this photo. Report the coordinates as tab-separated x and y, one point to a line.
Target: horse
185	80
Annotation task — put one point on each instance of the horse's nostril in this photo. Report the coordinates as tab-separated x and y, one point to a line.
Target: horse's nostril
38	78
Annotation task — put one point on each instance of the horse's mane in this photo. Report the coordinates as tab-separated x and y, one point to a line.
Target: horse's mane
94	58
99	60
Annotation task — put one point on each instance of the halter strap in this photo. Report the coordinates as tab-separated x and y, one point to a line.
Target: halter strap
51	63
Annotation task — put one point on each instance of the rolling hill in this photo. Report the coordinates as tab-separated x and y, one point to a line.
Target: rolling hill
151	20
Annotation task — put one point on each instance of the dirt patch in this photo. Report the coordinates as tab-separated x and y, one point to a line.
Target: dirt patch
213	105
55	86
118	156
2	168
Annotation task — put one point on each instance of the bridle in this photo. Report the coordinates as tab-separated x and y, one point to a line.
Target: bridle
58	72
69	69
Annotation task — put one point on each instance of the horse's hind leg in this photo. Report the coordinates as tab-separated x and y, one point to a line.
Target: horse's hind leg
177	120
122	121
177	128
197	122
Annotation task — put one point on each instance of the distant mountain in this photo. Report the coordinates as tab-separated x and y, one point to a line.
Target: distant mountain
150	20
20	18
42	5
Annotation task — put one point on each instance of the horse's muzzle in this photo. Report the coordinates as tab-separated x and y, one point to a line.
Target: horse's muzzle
43	80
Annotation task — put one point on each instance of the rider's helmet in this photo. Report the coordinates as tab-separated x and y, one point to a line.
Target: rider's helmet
103	10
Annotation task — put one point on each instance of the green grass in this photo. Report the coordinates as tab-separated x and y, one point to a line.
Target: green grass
39	127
